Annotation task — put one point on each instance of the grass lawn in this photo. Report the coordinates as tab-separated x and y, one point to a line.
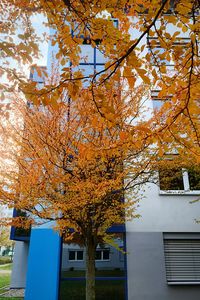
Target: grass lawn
105	289
99	273
4	280
6	267
5	260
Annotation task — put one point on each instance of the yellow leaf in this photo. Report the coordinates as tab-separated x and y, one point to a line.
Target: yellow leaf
142	74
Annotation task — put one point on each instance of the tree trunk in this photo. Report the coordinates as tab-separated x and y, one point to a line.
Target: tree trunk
90	268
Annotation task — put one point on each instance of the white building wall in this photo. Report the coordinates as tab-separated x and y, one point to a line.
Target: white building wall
165	213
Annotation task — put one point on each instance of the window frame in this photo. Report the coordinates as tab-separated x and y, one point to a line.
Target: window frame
172	261
102	250
186	185
153	45
76	255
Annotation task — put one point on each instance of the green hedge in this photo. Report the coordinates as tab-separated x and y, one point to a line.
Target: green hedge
5	260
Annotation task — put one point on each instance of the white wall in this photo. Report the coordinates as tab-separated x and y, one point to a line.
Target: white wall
165	213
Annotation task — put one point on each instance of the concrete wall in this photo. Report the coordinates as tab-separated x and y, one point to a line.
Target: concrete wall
165	213
146	270
174	215
20	258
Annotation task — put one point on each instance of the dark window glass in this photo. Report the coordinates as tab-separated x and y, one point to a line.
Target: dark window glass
20	232
72	277
194	179
71	255
79	255
171	179
106	254
98	255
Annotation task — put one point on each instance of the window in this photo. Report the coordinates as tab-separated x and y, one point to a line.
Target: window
177	179
82	31
102	254
110	273
92	61
167	54
75	255
158	55
158	101
182	261
92	58
194	179
38	75
19	233
171	179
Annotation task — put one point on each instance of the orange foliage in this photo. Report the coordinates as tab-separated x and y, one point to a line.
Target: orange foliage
73	155
70	162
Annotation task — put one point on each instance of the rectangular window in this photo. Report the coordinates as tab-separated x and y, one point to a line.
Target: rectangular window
75	255
165	55
177	179
110	274
194	179
72	255
157	100
182	261
171	179
102	254
158	55
20	233
174	178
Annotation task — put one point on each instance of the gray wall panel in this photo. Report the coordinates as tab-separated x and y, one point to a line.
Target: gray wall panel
18	276
146	270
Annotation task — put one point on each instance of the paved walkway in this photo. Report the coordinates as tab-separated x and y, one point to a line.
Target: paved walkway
10	292
13	293
5	271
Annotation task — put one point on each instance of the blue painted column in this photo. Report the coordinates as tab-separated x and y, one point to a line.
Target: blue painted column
42	281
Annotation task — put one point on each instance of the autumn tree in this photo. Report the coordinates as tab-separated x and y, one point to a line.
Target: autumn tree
72	165
169	28
151	34
19	44
93	139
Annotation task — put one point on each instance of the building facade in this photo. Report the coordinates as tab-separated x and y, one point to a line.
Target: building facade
160	252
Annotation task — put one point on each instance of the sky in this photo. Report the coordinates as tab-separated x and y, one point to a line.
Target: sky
38	24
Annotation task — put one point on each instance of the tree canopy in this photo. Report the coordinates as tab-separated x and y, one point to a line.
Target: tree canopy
68	165
156	42
80	146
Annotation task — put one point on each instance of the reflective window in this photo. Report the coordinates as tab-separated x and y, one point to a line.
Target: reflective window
179	179
194	178
171	179
75	254
110	272
102	254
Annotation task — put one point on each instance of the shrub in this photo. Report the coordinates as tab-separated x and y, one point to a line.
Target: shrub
5	260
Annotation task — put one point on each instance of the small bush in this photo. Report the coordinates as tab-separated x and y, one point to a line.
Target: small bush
5	260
